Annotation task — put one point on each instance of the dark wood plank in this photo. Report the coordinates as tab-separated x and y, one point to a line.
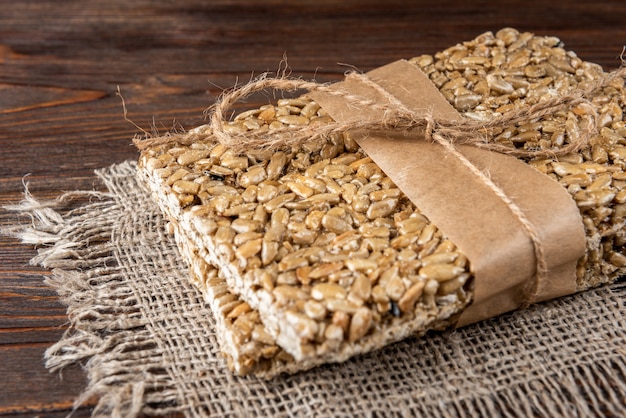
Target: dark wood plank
60	118
22	363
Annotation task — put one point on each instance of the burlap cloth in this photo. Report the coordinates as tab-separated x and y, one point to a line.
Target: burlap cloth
148	343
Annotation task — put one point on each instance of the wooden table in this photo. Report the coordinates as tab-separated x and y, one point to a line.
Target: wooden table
60	117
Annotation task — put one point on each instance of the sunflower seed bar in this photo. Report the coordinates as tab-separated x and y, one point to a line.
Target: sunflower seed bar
330	254
333	269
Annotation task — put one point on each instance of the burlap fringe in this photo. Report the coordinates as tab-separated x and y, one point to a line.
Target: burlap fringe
105	319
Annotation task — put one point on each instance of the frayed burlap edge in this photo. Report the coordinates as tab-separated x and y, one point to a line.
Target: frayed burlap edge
523	364
104	313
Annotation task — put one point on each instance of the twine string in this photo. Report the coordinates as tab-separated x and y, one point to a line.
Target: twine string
466	131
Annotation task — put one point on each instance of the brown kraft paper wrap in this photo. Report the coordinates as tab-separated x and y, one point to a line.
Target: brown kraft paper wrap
480	223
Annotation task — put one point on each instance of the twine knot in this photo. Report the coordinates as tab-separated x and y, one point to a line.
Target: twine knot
430	128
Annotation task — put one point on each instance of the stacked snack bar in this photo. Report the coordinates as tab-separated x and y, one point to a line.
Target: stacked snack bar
311	254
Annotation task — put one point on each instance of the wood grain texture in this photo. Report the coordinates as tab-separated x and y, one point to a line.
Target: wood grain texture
60	118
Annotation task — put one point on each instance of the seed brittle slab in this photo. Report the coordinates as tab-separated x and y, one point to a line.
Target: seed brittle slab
331	255
333	271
